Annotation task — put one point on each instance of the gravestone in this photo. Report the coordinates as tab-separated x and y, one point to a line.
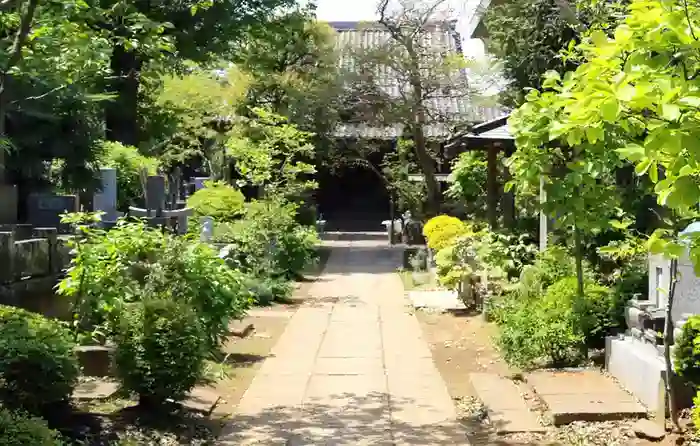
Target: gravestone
106	199
155	194
45	210
636	358
8	204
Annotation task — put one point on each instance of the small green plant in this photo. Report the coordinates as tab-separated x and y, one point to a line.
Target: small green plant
536	333
117	267
554	328
595	316
695	414
269	241
20	429
687	351
161	348
218	200
441	231
38	365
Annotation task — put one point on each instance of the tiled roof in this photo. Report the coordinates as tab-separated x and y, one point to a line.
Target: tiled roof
450	104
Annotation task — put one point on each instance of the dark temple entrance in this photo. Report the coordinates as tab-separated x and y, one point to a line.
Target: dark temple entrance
353	198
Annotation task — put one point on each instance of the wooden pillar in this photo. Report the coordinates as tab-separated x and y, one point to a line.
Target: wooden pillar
492	186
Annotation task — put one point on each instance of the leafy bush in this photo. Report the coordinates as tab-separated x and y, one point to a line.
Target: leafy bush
114	268
505	254
440	231
268	241
38	365
266	289
595	315
218	200
161	347
555	328
129	164
695	414
536	333
687	351
18	429
456	262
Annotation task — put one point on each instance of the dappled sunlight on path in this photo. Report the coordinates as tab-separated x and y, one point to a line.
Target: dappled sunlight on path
352	367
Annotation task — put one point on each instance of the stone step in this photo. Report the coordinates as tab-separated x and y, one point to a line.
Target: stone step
506	407
583	395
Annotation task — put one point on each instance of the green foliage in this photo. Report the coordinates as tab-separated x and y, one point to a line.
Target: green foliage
468	182
596	316
161	347
622	100
505	255
687	351
529	36
218	200
555	328
695	414
38	366
293	66
195	109
114	268
440	231
19	429
272	154
456	262
539	332
268	241
130	165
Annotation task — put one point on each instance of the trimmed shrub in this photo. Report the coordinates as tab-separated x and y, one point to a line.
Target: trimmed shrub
218	200
686	351
161	347
38	364
440	231
19	429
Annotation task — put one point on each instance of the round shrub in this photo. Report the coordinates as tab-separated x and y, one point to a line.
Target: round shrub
161	347
218	200
440	231
18	429
686	351
38	364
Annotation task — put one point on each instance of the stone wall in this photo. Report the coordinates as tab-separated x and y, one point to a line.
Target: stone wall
32	261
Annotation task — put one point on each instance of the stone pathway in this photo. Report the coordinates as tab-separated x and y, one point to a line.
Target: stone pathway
351	368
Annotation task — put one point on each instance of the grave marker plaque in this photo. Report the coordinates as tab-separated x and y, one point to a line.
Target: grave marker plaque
45	210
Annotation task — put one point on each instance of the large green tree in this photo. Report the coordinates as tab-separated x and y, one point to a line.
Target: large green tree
144	34
530	37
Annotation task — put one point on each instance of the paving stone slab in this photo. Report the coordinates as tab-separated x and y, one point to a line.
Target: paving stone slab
350	369
583	395
436	300
506	407
97	389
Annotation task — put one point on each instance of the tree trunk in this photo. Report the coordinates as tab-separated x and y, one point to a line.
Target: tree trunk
15	55
668	342
121	116
420	146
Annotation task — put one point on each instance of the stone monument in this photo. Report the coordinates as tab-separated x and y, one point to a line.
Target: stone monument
636	358
106	199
